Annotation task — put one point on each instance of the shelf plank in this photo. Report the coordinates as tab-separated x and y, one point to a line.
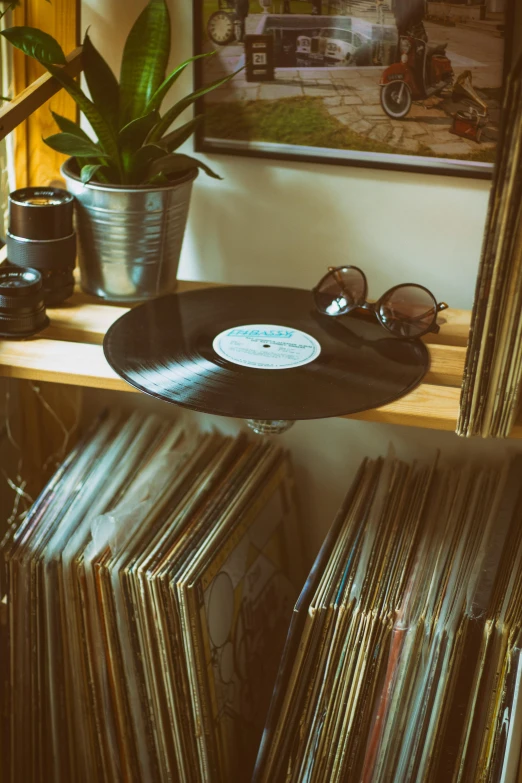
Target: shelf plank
45	359
446	366
89	326
57	361
429	406
454	328
70	351
86	319
83	364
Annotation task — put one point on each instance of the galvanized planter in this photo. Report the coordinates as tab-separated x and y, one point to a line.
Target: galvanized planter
129	237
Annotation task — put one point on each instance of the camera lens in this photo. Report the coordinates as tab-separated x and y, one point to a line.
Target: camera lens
41	236
22	309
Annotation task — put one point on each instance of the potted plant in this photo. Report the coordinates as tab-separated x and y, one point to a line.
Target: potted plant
132	187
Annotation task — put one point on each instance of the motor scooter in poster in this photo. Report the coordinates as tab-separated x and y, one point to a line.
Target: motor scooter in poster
422	71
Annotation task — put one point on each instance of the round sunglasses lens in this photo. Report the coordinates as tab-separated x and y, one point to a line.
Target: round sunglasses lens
339	290
408	311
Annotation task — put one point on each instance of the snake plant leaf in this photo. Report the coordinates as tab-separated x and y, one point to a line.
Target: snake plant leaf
178	164
68	126
149	152
102	83
35	43
173	113
157	99
158	179
103	131
144	62
72	145
87	172
173	140
141	160
132	137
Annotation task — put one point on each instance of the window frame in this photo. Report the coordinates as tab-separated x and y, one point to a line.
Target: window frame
28	114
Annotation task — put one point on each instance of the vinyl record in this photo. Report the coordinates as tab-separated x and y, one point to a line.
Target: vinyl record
259	352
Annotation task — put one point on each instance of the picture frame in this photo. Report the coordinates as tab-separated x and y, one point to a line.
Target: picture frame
355	82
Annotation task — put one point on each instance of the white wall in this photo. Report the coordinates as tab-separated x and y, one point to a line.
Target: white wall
283	223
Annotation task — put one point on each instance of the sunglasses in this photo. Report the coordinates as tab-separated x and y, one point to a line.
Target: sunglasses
407	310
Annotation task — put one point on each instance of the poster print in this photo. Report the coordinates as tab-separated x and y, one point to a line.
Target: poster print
410	84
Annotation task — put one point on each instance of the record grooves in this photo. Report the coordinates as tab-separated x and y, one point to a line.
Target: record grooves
174	348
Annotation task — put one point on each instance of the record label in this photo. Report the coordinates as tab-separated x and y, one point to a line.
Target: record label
266	346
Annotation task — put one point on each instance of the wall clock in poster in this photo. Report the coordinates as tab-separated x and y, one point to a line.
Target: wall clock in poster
409	84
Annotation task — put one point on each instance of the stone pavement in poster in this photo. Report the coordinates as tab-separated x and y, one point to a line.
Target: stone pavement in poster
352	95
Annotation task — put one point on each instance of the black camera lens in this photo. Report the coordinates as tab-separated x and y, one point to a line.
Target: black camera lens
22	308
41	236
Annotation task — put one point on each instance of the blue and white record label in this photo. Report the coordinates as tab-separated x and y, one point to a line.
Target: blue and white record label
266	346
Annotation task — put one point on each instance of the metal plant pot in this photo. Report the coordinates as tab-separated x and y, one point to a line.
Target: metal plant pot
129	238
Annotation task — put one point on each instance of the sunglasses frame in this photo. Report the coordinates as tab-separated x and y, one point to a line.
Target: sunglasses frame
374	307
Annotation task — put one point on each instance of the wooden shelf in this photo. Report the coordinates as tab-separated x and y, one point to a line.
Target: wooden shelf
69	351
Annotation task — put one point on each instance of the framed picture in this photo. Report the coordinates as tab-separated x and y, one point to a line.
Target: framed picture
398	84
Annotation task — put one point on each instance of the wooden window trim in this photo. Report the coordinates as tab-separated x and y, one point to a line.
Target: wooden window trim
29	113
33	97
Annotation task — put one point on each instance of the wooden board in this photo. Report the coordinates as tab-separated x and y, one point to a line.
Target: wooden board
35	163
69	351
29	100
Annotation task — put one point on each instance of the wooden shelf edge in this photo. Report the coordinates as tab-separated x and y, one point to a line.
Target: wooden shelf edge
427	406
70	352
80	364
55	361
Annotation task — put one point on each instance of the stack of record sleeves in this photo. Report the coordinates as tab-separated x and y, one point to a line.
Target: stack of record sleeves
490	398
149	592
403	662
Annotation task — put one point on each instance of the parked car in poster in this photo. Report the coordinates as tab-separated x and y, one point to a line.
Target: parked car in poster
329	46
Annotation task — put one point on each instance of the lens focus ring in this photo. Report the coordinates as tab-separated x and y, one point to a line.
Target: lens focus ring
56	254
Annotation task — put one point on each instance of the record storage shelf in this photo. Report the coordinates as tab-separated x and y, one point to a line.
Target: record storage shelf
70	351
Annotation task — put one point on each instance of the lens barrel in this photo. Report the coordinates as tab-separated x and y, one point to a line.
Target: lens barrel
41	236
22	308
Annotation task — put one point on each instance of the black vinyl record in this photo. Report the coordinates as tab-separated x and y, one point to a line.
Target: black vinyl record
260	352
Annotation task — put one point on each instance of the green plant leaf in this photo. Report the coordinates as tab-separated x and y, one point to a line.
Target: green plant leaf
173	113
71	145
173	140
158	179
157	99
133	135
102	83
103	131
131	138
141	160
68	126
35	43
88	171
106	136
178	164
144	62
